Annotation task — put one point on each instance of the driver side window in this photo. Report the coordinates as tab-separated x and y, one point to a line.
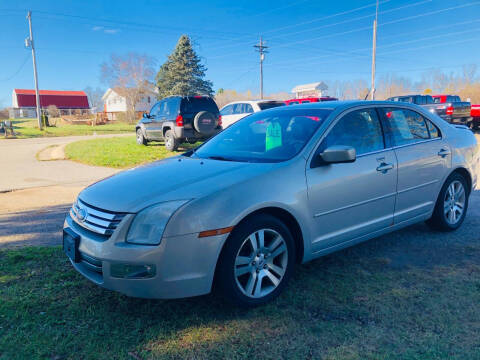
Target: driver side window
156	109
360	129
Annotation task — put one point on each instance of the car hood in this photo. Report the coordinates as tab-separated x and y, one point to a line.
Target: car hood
179	178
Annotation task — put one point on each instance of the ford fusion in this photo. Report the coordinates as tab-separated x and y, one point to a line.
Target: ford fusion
277	188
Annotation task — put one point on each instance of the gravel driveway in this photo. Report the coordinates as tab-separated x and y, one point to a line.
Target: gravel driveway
19	161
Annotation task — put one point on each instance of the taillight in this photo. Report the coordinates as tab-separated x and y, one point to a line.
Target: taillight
449	110
179	120
219	120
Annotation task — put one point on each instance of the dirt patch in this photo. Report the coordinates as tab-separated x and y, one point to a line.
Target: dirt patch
53	152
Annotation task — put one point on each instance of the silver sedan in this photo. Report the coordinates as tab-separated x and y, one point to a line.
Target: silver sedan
277	188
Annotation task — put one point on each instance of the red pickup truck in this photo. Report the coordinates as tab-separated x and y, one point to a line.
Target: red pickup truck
475	114
309	100
452	109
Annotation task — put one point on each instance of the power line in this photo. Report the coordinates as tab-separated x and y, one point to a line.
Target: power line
351	20
17	71
299	24
358	29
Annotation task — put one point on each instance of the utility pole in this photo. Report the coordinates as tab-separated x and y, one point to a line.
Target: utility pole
374	53
29	43
260	47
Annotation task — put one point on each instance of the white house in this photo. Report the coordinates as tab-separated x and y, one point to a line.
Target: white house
113	102
317	89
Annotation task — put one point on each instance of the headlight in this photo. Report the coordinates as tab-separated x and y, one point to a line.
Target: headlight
148	225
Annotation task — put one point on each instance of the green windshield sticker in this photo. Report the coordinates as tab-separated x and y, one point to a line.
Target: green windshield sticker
273	137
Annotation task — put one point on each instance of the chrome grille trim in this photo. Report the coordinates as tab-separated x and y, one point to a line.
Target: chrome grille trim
100	221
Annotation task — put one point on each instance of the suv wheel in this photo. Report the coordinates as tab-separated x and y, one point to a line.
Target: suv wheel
140	138
171	142
257	261
452	204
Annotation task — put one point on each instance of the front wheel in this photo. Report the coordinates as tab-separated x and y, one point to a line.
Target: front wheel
452	204
140	138
171	142
257	261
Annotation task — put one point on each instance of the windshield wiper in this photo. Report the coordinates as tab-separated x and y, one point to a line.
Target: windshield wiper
221	158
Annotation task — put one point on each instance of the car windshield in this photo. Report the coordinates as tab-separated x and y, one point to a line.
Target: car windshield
270	136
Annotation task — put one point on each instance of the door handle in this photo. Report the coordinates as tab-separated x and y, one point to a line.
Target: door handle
384	167
444	152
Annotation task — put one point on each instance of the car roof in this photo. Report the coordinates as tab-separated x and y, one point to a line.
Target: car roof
251	102
343	104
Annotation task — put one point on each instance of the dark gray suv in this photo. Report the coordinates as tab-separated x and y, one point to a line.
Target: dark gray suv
178	119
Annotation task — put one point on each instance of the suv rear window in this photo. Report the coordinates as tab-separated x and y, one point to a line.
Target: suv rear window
194	104
270	104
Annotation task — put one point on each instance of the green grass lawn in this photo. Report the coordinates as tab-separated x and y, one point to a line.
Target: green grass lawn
28	128
343	306
118	152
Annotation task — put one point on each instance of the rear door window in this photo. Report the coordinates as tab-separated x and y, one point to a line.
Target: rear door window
433	130
170	110
238	109
248	108
405	126
360	129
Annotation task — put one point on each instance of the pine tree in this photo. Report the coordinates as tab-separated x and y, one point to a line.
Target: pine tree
183	74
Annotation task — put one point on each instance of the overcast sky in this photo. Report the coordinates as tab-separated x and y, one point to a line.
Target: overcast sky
309	40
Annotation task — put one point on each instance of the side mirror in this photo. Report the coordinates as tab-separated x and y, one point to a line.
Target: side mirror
146	116
338	154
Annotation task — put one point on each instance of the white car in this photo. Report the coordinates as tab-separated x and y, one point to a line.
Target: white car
237	110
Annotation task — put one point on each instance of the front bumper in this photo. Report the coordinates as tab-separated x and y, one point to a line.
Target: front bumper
185	264
182	133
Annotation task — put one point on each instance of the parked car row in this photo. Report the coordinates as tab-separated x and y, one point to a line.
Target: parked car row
449	107
180	119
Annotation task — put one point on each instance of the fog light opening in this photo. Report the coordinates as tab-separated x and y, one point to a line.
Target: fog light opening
130	271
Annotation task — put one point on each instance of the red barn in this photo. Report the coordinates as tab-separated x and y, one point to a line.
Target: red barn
24	101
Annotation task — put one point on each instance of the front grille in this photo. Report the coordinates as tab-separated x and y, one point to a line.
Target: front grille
99	221
91	263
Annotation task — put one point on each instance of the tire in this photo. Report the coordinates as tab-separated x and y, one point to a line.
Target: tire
240	266
446	215
140	138
205	123
171	142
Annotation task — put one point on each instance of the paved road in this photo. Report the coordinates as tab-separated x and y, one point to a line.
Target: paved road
19	168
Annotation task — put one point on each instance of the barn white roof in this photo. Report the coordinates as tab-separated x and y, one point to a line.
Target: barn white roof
313	86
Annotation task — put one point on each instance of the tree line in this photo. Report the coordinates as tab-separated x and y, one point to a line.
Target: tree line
133	75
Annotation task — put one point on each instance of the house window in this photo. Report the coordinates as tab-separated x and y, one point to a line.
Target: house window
149	99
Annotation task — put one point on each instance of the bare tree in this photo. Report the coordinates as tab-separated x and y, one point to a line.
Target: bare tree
95	98
53	111
131	75
4	114
469	72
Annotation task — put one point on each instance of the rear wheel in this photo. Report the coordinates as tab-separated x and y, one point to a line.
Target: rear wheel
257	261
171	142
452	204
140	138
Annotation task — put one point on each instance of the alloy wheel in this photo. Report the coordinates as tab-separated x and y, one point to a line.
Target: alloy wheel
261	263
454	202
